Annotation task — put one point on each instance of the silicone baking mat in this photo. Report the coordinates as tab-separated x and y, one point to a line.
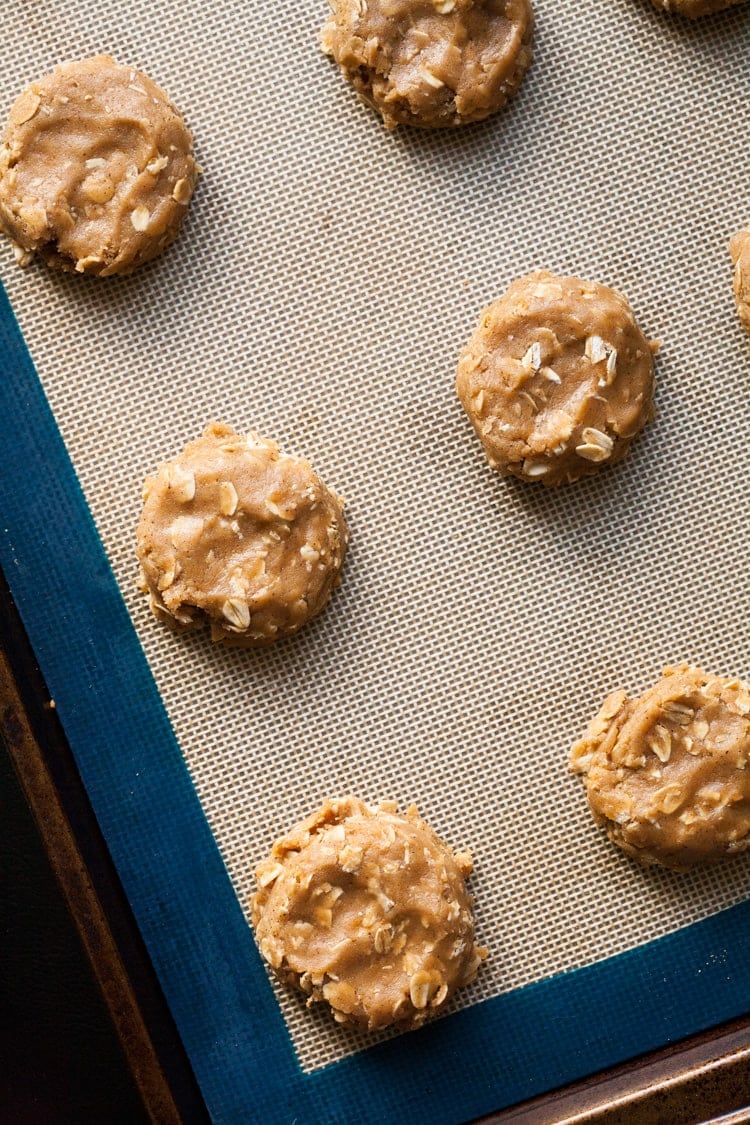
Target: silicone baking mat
326	278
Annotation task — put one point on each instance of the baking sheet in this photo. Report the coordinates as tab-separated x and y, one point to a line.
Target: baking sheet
325	281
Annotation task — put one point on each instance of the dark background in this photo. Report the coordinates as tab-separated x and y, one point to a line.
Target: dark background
60	1059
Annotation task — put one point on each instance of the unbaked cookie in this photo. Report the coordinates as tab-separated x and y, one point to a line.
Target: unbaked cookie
96	169
239	535
367	910
667	774
739	248
557	379
431	63
695	8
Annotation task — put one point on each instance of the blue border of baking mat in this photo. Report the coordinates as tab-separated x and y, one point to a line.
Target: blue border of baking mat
479	1060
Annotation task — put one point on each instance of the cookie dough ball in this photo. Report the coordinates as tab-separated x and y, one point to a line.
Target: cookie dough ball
239	535
667	774
695	8
367	910
96	169
739	248
557	379
431	63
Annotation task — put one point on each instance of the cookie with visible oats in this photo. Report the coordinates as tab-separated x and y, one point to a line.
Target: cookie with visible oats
367	910
694	8
431	63
96	169
739	248
240	535
557	379
667	774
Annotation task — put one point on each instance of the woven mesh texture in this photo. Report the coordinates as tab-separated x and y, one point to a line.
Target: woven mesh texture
327	276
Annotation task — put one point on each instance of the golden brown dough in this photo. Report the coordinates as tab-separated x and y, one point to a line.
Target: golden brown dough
739	248
431	63
367	910
239	535
695	8
667	774
557	379
96	169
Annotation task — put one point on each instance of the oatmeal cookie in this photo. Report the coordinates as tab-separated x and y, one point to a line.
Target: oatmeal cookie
367	910
96	169
695	8
739	248
557	379
431	63
239	535
667	774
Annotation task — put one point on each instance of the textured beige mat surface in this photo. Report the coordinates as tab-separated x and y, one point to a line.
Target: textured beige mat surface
327	276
